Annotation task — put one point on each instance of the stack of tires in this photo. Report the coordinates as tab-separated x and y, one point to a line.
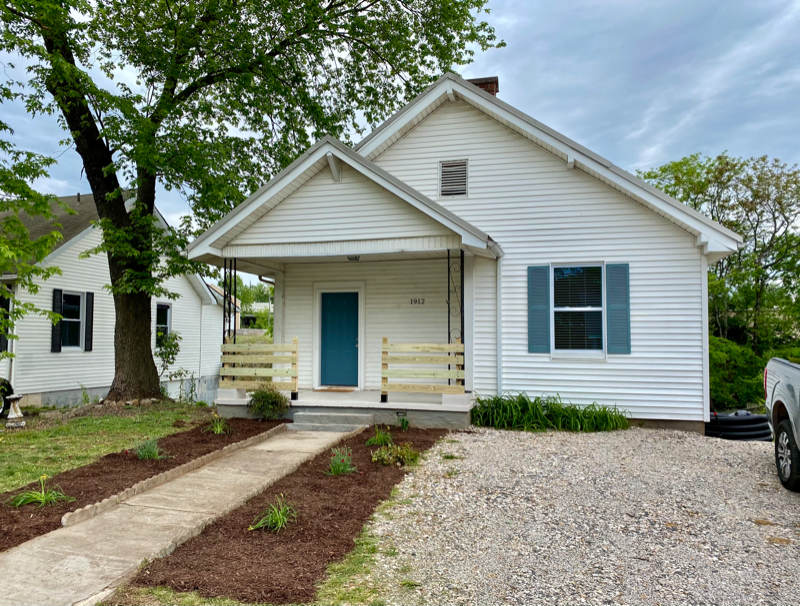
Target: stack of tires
740	425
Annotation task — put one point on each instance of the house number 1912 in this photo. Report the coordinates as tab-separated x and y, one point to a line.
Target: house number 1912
417	301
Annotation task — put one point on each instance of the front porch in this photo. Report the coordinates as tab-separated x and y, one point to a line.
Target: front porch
422	410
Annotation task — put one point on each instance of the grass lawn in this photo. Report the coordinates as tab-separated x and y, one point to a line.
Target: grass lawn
51	447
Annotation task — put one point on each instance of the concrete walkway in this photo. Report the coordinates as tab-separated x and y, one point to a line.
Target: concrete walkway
81	564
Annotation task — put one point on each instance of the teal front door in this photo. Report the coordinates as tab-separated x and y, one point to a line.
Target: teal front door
339	339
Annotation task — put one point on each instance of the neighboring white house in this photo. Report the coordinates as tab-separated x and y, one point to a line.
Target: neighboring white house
52	365
579	279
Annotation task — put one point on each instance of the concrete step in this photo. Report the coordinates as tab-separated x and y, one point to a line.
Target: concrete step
335	418
339	427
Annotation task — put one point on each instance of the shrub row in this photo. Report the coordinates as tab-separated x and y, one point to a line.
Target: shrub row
542	413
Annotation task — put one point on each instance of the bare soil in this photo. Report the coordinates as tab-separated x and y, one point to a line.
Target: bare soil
227	560
112	474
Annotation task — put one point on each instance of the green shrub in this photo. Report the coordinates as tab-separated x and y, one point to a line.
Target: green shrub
404	424
382	437
218	426
394	454
276	517
737	374
341	462
540	414
149	450
268	402
43	496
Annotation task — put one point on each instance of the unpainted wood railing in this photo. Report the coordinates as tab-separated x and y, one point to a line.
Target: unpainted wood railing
425	354
244	366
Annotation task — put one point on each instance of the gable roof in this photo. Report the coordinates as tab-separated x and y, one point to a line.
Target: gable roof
715	239
78	223
302	170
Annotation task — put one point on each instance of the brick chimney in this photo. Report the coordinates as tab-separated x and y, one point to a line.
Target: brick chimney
491	84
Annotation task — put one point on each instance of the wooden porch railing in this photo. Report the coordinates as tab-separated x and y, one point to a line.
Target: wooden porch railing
425	354
251	366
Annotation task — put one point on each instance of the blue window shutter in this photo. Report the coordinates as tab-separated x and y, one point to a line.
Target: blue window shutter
539	309
618	302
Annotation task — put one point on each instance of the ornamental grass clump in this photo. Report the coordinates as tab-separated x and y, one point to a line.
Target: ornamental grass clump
382	437
149	451
404	424
542	413
394	454
276	517
43	496
268	402
218	426
341	462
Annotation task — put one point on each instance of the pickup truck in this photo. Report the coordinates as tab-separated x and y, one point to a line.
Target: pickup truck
782	397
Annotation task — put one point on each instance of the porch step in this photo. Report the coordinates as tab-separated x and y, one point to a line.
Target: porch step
329	421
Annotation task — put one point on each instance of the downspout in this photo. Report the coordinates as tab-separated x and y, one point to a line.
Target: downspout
499	304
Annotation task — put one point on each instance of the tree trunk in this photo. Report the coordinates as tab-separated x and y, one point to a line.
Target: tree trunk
135	374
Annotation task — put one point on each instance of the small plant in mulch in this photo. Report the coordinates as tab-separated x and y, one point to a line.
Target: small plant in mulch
268	402
341	462
450	457
276	517
218	426
382	437
404	423
43	496
394	454
149	451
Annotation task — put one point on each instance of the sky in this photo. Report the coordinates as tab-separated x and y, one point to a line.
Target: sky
640	83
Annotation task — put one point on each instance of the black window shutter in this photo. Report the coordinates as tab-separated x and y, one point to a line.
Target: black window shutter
539	309
618	300
87	337
55	334
5	308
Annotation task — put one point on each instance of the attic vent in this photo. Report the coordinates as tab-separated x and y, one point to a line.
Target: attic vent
453	178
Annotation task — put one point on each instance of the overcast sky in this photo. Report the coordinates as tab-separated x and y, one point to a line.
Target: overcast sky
641	83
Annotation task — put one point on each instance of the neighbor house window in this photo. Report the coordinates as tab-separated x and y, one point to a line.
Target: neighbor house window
578	308
163	321
71	319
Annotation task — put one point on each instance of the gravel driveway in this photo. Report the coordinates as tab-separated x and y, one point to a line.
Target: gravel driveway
632	517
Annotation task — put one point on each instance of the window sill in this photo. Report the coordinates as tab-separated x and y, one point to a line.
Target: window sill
583	356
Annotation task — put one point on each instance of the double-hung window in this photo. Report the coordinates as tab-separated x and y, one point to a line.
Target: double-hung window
163	321
71	319
578	308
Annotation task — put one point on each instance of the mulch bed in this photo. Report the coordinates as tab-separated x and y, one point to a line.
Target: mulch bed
227	560
112	474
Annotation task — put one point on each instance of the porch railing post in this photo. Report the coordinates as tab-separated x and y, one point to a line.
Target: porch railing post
384	366
296	356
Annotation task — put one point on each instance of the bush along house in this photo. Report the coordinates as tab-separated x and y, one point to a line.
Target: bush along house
464	249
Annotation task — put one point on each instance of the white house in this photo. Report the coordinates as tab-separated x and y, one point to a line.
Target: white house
579	279
54	364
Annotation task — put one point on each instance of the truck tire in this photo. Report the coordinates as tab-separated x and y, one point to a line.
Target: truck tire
787	456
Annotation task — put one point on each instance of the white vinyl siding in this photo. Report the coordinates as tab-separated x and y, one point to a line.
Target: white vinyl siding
389	288
485	335
542	214
37	370
355	209
211	339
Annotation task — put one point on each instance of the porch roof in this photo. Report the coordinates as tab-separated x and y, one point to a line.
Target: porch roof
222	241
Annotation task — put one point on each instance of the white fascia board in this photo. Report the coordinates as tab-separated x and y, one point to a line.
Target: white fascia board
575	153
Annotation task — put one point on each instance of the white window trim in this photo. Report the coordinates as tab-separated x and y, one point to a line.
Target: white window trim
439	180
81	321
169	318
582	354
